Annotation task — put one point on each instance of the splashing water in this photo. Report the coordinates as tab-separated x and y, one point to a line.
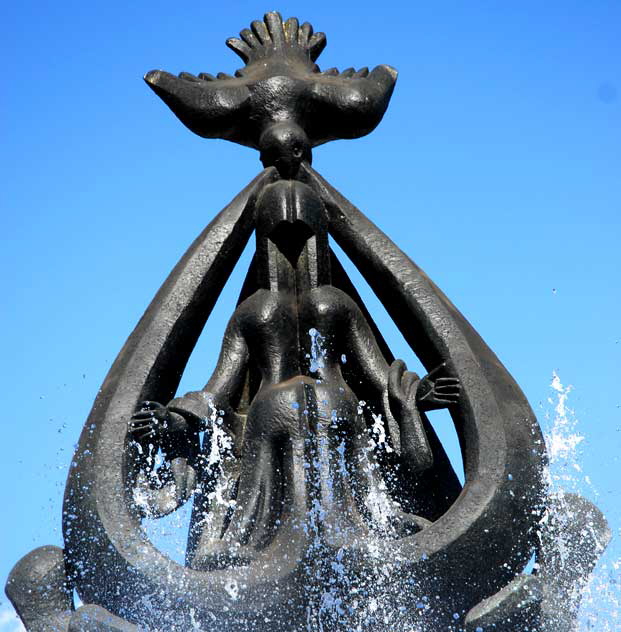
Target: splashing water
562	439
170	533
318	351
366	601
360	600
601	600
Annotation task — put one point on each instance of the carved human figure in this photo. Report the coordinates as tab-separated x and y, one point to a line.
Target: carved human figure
302	448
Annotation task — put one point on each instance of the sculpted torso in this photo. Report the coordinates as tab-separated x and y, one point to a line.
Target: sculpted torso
303	405
275	324
319	324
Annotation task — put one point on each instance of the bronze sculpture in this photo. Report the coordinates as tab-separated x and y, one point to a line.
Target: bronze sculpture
308	502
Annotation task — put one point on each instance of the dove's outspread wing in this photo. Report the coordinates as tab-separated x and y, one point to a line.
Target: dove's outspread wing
209	107
349	104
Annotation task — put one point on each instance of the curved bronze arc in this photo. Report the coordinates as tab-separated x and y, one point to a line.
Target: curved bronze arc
486	536
111	561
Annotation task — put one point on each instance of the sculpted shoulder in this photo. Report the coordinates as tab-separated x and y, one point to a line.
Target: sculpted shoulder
328	300
263	306
324	302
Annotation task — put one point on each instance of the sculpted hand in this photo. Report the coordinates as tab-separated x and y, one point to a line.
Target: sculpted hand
176	478
149	423
435	392
165	429
402	387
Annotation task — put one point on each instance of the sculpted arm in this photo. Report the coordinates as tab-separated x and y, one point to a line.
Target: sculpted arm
224	386
402	392
175	428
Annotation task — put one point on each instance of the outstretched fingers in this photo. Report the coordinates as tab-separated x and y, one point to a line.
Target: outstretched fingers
142	431
145	422
439	370
146	417
447	389
149	405
140	424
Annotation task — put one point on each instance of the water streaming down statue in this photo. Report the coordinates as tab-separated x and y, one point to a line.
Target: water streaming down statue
322	497
303	441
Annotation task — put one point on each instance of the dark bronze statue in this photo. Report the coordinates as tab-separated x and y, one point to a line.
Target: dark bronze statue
321	495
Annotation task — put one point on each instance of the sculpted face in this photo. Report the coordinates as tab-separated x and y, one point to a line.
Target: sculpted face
285	146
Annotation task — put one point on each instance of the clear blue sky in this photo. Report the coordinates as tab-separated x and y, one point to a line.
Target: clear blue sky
497	168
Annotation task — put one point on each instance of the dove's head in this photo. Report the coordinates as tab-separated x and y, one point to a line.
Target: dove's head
285	145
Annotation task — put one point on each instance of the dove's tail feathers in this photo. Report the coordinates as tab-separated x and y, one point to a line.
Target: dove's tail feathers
272	37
